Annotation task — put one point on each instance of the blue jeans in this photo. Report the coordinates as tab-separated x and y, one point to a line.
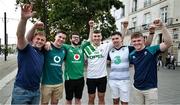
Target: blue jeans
23	96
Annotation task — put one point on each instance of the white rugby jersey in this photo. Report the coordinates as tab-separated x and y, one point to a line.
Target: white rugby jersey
119	63
97	59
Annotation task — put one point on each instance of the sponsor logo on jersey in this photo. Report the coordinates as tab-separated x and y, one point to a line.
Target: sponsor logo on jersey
76	56
57	61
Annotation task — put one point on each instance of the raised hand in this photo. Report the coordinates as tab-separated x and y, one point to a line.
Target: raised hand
152	28
26	11
91	23
125	24
39	25
158	23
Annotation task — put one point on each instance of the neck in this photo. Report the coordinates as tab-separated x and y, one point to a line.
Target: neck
74	45
39	48
141	48
118	46
56	45
96	45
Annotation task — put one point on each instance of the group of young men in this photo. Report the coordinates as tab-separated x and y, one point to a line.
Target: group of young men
38	64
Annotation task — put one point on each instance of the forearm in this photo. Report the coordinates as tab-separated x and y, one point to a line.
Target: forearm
21	28
124	31
91	29
166	36
30	34
149	39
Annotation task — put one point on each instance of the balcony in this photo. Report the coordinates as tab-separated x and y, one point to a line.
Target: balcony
142	28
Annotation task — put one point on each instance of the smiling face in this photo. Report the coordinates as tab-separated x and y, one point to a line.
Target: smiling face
59	39
97	37
138	41
117	39
38	40
75	39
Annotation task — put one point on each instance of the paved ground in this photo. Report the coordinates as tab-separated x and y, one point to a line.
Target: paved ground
169	85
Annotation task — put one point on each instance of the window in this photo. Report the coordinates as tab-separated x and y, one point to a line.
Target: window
175	36
147	18
147	3
134	5
134	22
175	33
164	14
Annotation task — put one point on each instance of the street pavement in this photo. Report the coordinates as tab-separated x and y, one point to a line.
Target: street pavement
168	82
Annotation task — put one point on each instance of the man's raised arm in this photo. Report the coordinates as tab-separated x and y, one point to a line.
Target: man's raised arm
26	13
166	36
91	29
37	25
151	35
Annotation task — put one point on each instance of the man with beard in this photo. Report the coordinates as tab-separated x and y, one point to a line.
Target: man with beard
74	68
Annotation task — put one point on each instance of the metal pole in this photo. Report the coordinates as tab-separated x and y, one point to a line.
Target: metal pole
0	47
5	39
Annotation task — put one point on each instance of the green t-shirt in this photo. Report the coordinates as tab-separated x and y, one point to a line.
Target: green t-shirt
52	70
74	61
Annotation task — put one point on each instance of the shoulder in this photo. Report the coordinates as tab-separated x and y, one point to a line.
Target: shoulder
28	46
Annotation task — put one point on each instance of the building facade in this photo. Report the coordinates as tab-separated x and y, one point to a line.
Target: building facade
141	13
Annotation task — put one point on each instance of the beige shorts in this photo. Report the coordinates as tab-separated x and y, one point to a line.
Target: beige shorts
148	97
53	92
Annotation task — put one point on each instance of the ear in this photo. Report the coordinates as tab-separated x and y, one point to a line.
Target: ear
70	39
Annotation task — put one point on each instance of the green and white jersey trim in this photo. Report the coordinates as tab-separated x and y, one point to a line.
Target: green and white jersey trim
89	50
97	60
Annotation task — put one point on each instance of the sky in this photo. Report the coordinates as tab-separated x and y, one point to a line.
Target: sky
13	16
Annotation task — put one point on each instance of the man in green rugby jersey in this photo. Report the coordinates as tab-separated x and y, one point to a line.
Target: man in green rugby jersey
74	68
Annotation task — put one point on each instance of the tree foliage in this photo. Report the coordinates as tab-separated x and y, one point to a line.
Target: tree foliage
73	15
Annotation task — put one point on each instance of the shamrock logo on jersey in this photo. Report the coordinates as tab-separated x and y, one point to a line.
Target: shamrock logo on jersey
117	59
76	56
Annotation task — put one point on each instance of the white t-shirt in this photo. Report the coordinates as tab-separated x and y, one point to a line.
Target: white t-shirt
97	59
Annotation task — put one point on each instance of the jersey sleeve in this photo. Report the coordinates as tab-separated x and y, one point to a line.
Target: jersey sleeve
65	47
154	49
110	45
84	44
131	48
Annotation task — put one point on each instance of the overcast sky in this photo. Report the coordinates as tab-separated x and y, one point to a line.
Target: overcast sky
13	16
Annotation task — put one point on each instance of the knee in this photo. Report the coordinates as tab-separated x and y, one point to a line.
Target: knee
116	101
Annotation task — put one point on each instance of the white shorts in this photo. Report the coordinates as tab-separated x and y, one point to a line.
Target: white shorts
120	89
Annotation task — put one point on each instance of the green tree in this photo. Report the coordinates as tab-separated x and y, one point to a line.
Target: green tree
73	15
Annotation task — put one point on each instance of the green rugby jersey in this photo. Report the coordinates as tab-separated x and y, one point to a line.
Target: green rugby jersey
52	70
74	61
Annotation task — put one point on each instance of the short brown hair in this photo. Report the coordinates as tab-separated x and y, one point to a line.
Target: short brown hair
136	35
74	33
41	33
116	33
97	31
